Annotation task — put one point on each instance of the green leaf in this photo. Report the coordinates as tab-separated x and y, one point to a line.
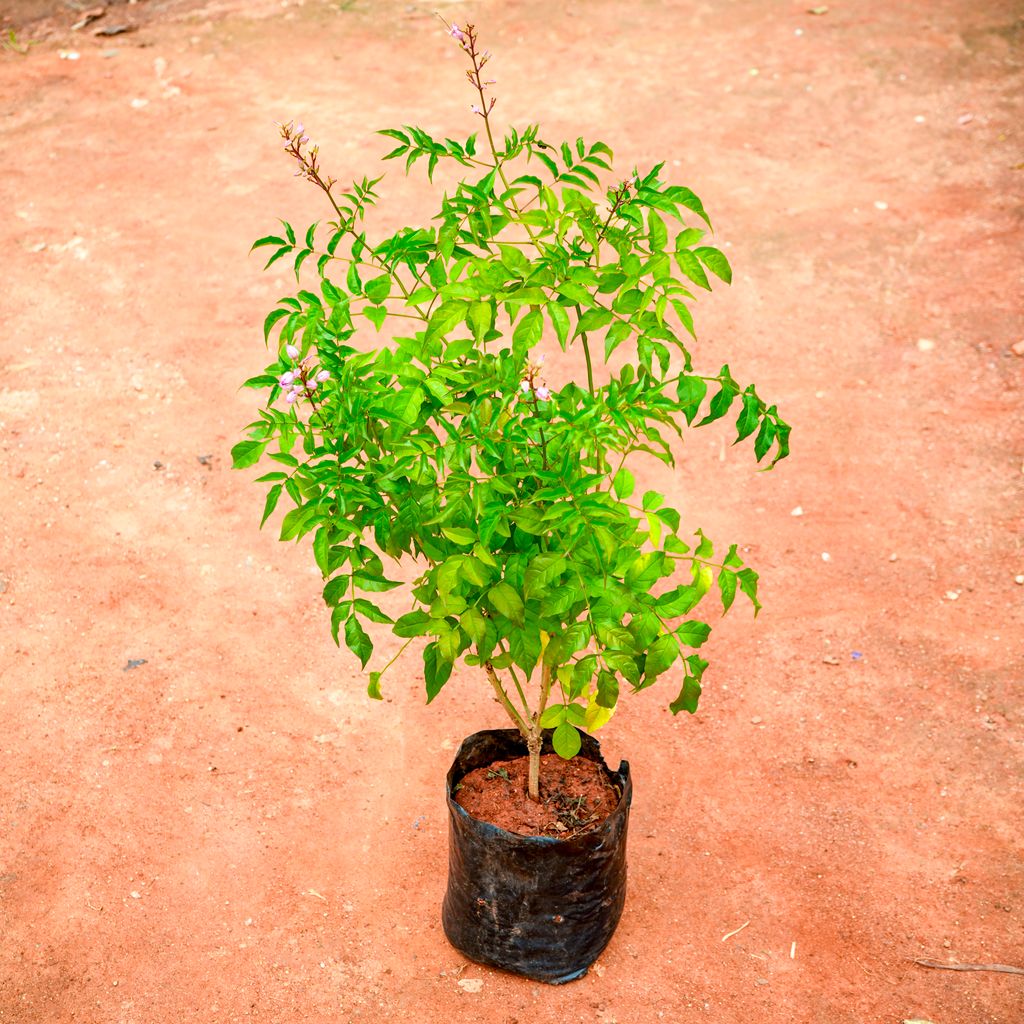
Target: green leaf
691	392
688	697
357	640
660	656
747	580
560	321
566	741
271	503
378	289
321	548
376	315
267	240
691	267
529	330
607	689
459	535
247	453
479	319
553	716
750	414
715	261
415	623
693	633
543	570
623	485
506	600
272	317
436	671
373	689
727	587
657	233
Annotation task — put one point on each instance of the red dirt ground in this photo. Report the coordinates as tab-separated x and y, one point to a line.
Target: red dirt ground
230	831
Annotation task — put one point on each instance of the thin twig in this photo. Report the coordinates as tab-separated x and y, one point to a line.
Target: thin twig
1001	968
735	931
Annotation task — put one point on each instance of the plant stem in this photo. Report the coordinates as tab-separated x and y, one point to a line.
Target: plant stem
503	700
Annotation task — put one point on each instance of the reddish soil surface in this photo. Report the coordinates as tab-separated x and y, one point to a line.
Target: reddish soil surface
202	818
575	796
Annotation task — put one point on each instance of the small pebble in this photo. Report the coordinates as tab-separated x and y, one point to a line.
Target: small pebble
798	511
925	344
138	104
919	119
756	720
1018	348
830	659
826	557
965	119
881	205
1019	580
471	984
135	895
952	595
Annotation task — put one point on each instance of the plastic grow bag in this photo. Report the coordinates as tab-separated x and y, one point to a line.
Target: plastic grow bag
537	906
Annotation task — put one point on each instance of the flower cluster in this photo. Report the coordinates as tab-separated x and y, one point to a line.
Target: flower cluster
529	387
295	141
304	379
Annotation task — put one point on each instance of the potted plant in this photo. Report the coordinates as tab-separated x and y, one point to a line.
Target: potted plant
505	480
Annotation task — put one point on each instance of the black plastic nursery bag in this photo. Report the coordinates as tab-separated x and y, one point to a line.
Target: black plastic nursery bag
540	907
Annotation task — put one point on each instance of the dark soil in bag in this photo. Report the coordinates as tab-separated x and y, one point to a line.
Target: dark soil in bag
536	905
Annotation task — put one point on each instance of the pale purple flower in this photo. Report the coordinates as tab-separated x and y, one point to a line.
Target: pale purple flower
292	351
543	393
323	375
287	378
457	34
291	396
475	109
524	386
311	386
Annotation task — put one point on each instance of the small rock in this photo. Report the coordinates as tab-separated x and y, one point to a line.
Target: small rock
830	659
965	119
881	205
893	557
761	981
69	55
798	511
135	895
952	595
925	344
919	119
471	984
138	103
756	720
826	557
1019	580
1018	348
